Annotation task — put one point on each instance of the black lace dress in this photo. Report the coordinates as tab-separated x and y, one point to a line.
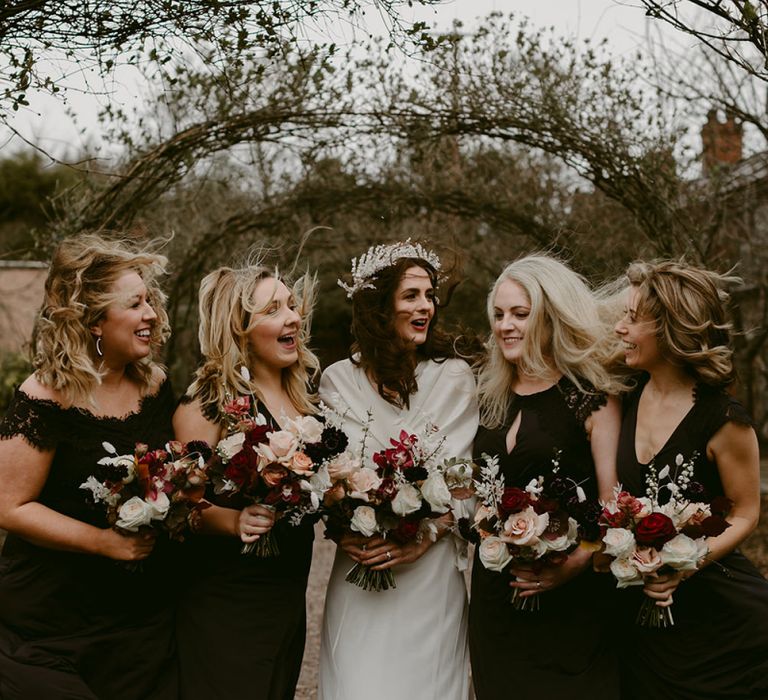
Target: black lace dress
718	646
79	626
562	650
241	622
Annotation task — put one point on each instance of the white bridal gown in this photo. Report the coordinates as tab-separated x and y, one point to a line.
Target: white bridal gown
409	642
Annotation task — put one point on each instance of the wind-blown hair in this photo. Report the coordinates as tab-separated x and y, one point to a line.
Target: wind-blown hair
687	304
564	332
379	350
77	293
227	316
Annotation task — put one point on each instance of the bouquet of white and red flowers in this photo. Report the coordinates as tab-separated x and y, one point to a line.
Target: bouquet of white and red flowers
282	469
644	536
161	489
398	495
538	525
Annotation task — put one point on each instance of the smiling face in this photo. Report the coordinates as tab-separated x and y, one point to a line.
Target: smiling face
274	334
126	327
511	310
414	305
638	336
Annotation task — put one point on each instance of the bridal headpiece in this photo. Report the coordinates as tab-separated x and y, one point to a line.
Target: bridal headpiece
380	257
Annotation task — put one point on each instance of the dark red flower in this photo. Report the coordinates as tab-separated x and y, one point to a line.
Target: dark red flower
514	500
406	530
721	505
714	525
545	505
655	530
258	435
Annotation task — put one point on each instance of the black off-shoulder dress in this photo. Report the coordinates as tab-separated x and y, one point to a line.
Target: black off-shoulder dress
562	650
718	646
241	622
77	626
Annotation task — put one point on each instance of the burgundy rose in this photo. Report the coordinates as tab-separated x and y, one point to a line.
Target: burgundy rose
514	500
655	530
258	435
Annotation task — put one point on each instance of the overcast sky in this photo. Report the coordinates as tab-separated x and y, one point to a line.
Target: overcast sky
625	26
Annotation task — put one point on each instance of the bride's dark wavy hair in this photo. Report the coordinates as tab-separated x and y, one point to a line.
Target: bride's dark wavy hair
377	347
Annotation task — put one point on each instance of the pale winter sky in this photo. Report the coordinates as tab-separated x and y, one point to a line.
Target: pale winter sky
626	27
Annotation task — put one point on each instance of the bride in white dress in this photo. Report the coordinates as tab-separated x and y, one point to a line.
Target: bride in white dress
409	642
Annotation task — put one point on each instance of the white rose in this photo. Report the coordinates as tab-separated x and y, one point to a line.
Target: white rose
160	505
362	481
699	511
134	513
230	446
364	521
625	573
618	542
683	553
407	500
435	492
525	527
494	554
343	466
310	429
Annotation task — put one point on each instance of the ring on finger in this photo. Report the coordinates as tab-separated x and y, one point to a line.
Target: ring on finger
389	555
538	584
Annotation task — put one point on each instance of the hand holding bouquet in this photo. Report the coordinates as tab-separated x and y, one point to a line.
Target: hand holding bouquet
398	496
279	468
535	526
644	537
160	489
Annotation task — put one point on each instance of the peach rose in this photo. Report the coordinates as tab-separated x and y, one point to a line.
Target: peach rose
525	527
363	481
301	464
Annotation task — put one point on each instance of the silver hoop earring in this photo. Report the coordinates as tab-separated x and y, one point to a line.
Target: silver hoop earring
99	351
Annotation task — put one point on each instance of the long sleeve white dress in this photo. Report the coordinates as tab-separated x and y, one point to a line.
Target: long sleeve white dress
409	642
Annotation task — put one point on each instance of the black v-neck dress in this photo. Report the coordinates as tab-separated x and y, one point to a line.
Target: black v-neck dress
718	646
78	626
563	650
241	622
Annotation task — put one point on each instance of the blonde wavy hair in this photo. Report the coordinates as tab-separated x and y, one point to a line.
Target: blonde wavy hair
688	306
564	332
227	316
78	291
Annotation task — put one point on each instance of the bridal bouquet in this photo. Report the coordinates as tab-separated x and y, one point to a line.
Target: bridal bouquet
162	489
642	536
283	469
398	495
539	525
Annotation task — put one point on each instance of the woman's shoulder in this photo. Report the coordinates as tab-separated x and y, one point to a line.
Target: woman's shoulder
32	388
716	406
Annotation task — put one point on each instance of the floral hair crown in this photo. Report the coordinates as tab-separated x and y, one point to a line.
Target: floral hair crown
380	257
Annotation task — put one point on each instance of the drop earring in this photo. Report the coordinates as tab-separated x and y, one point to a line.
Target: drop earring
99	351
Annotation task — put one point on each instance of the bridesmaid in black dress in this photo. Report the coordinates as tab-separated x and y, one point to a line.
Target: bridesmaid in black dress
241	623
75	623
675	330
543	389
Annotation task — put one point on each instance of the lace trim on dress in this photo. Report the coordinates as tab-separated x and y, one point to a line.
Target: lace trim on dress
582	403
39	421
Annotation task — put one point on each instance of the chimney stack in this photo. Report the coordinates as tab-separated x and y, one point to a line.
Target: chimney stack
721	141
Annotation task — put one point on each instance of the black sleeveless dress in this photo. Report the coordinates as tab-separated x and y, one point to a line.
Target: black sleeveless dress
241	621
78	626
718	646
562	650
